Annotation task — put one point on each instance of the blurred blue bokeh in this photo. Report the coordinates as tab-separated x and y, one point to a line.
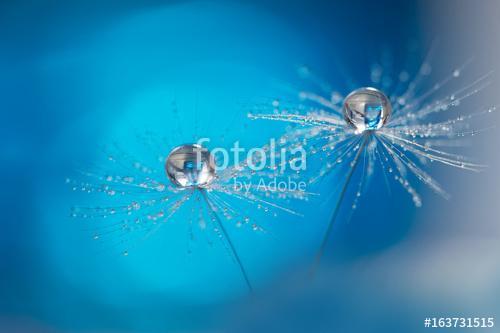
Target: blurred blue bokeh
75	75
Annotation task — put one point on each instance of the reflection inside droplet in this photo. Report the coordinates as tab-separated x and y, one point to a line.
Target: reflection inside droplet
366	109
190	165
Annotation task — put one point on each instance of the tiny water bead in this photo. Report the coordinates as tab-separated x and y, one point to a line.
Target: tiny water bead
190	165
366	109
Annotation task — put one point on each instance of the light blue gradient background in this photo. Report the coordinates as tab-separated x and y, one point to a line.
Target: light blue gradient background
75	76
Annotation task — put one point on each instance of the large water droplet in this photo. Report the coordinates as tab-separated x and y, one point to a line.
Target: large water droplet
366	109
190	166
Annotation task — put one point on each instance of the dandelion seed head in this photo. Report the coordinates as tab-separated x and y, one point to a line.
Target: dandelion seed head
190	166
366	109
407	130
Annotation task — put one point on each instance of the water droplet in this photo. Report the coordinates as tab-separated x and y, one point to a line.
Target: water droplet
426	69
404	76
366	109
128	179
190	166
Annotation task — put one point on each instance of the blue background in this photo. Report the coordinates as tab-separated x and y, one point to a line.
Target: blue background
75	75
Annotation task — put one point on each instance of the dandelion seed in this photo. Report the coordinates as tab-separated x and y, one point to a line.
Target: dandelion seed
146	203
399	132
